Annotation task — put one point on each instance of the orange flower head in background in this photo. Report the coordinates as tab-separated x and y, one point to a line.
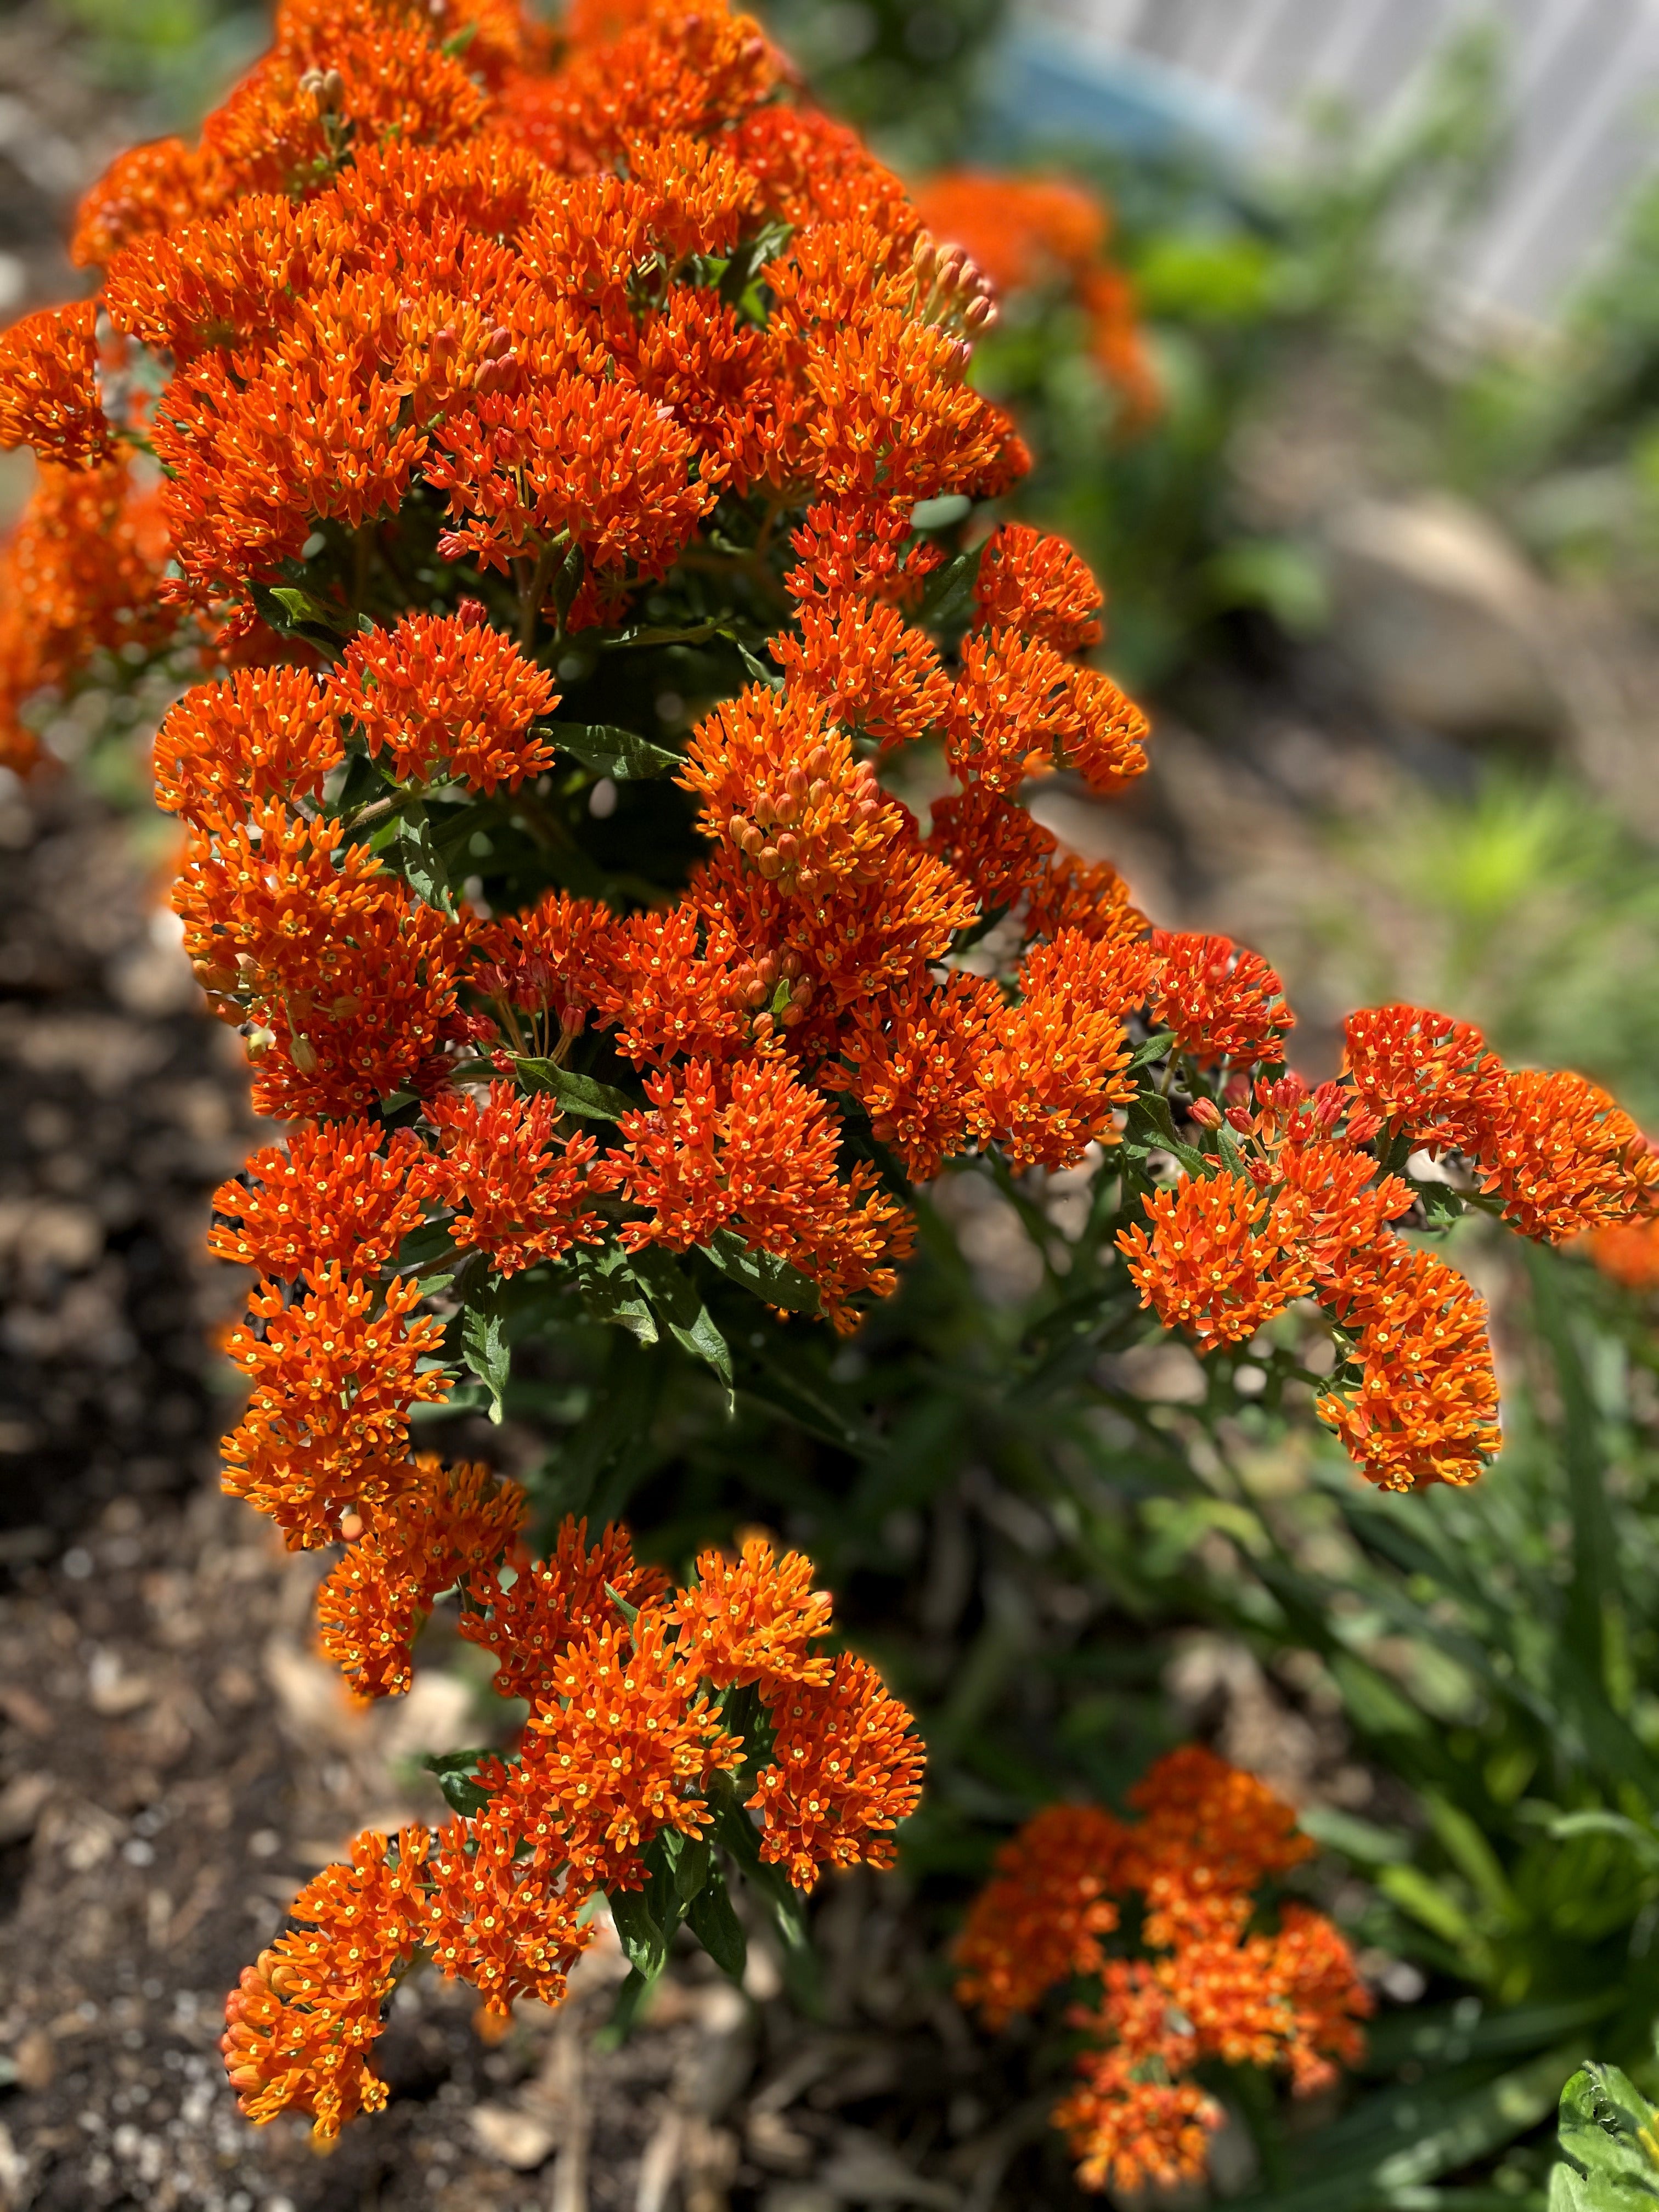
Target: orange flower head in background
1049	235
1208	1836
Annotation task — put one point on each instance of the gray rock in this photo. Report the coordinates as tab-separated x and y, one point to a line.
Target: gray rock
1442	619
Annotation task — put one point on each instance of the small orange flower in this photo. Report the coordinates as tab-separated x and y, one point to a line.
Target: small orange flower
447	697
49	387
302	2020
263	733
876	674
341	1194
845	1771
752	1620
547	1605
1219	1260
1052	1074
914	1061
1041	1918
1428	1076
755	1150
1035	584
518	1192
1426	1405
331	1384
1562	1155
1221	1002
79	574
442	1526
1628	1252
628	1751
1210	1988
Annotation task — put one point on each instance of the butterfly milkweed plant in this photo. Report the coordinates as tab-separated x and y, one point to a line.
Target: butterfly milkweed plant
553	456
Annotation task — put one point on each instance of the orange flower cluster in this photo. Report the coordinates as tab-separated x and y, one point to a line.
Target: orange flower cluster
1628	1252
394	309
1217	1984
1042	234
628	1687
1296	1205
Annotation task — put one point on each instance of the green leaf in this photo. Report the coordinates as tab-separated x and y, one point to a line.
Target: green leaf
1609	2143
1441	1203
424	1246
712	1920
622	754
577	1094
485	1349
736	1833
456	1770
631	1614
692	1865
409	845
763	1272
759	670
1359	1841
1150	1126
949	595
644	1945
293	613
690	1322
613	1293
1154	1048
1596	1822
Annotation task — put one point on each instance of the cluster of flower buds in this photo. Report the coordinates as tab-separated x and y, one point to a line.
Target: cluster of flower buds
952	290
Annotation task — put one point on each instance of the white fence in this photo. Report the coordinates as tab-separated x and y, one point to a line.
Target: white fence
1582	87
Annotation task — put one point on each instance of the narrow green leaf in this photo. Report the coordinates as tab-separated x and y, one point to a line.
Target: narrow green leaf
577	1094
689	1322
1152	1126
949	596
613	1293
643	1943
622	754
295	612
1154	1048
485	1349
692	1864
631	1614
763	1272
411	850
1596	1617
759	670
712	1920
1359	1841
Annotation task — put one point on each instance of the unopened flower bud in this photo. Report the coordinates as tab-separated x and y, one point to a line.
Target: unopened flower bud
789	848
1239	1116
303	1054
1205	1113
770	863
978	313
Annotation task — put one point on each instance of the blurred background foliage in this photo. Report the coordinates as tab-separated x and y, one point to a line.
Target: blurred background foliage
1069	1544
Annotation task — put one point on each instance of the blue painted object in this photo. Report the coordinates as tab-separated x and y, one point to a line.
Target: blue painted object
1041	87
